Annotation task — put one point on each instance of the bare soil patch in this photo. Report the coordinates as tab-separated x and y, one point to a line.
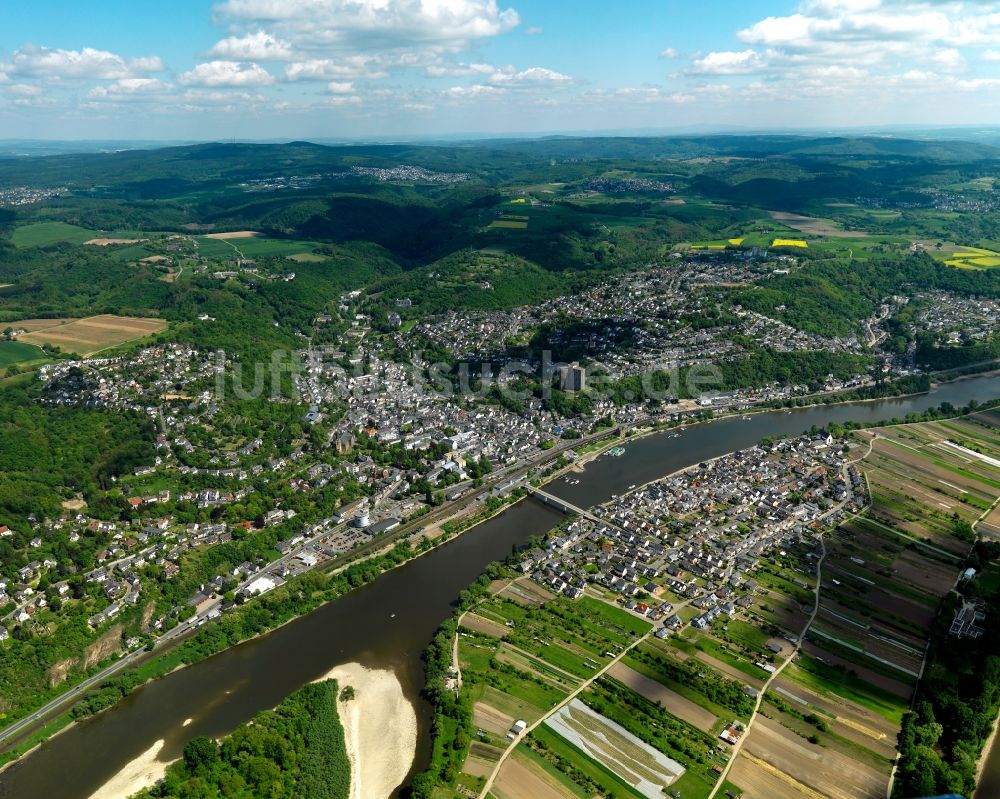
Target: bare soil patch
234	234
32	325
481	760
85	336
854	722
759	782
485	626
679	706
490	719
519	778
824	770
925	573
909	609
110	242
991	524
524	592
815	225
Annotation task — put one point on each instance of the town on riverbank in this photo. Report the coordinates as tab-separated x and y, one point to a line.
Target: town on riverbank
761	624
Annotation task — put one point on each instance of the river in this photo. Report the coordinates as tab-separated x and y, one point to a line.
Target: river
389	622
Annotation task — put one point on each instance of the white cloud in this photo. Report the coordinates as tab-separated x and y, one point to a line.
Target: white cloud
846	24
351	40
495	79
391	22
728	63
147	64
950	60
508	76
838	73
417	107
129	88
24	90
857	47
34	102
340	87
656	95
214	97
978	84
342	100
86	63
445	70
533	30
670	52
476	90
353	66
227	73
258	46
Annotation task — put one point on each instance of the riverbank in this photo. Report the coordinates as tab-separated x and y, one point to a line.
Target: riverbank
984	758
380	729
420	592
142	772
457	523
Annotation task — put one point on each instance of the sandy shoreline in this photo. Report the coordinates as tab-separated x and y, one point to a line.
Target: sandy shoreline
380	729
143	772
984	756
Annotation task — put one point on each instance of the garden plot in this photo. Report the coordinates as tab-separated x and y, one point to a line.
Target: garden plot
618	750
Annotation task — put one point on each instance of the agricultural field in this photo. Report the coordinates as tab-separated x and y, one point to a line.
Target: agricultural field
976	258
828	724
41	234
102	241
675	704
524	775
932	481
526	592
16	352
520	660
630	758
815	226
777	761
89	335
509	222
249	244
233	234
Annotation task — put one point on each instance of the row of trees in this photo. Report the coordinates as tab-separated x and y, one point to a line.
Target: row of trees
451	724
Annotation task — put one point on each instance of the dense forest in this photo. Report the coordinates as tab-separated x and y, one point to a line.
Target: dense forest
295	751
52	453
956	703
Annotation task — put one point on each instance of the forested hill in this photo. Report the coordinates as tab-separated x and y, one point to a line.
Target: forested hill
173	168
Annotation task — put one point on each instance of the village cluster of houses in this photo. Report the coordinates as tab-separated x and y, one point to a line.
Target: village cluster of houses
956	320
701	533
633	323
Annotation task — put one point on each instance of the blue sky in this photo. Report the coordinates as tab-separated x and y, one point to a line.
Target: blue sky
255	69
